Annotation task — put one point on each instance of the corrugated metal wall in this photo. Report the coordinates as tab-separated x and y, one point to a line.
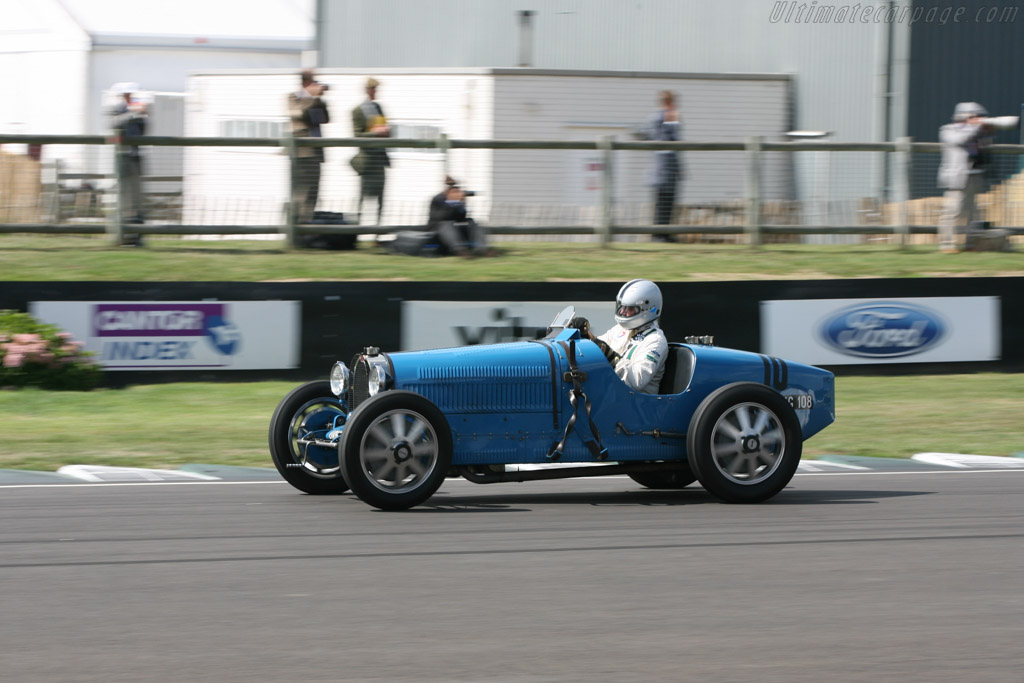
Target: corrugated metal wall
975	59
836	64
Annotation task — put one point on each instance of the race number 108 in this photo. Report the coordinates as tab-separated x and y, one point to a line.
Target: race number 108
801	401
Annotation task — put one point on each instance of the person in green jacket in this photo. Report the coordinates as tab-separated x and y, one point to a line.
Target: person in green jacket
368	121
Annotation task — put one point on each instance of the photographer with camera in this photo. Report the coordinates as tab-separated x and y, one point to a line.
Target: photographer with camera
456	232
964	162
307	112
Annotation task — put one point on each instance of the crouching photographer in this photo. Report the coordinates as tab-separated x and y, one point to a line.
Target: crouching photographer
449	220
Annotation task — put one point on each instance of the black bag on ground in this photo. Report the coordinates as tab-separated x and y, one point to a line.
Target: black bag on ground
415	243
981	236
330	242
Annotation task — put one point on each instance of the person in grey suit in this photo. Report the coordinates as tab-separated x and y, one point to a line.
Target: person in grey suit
667	171
128	119
964	161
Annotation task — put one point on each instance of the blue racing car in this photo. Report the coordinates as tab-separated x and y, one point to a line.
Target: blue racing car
392	426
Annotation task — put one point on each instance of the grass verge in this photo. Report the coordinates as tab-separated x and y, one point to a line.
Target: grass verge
169	425
92	258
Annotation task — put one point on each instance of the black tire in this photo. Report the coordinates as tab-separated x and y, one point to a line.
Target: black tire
309	408
396	450
744	443
669	479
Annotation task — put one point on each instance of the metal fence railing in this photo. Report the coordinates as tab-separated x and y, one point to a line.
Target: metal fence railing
751	192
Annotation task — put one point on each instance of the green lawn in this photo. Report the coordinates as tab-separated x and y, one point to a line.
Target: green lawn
74	257
226	423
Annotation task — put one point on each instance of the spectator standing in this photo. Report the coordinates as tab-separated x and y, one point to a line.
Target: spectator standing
307	112
665	126
128	119
964	162
368	121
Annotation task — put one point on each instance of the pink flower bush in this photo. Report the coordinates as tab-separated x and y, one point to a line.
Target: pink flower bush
27	348
36	354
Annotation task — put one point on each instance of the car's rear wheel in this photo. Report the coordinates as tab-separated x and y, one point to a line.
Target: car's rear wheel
396	450
670	479
309	411
744	443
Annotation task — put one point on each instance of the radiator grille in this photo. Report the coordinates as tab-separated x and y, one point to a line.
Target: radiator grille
360	390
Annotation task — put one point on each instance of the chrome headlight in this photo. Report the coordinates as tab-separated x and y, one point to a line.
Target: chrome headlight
378	379
341	379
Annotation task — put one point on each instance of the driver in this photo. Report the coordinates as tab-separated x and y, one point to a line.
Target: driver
636	346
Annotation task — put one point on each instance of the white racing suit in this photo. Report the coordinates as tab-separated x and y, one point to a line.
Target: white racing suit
643	352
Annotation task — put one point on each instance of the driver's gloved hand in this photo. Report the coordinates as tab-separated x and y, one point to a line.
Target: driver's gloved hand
581	324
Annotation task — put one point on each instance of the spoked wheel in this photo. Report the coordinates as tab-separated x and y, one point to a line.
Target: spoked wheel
670	479
297	432
396	450
744	443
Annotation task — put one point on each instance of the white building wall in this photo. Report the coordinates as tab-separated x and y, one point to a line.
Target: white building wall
218	181
43	69
44	92
48	97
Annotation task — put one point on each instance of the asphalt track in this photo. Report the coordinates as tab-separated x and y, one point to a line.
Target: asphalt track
860	576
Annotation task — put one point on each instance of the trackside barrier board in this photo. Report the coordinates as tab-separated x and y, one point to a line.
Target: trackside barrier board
871	331
181	335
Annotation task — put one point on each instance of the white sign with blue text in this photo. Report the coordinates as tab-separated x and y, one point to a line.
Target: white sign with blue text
181	335
870	331
446	324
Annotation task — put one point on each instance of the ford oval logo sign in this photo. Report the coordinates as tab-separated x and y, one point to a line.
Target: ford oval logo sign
883	330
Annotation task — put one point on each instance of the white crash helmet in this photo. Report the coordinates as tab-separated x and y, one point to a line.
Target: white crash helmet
966	110
637	304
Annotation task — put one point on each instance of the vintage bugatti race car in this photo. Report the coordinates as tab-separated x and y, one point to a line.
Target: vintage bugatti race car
392	426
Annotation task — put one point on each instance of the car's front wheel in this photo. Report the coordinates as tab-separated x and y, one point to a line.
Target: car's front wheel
744	443
396	450
302	418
